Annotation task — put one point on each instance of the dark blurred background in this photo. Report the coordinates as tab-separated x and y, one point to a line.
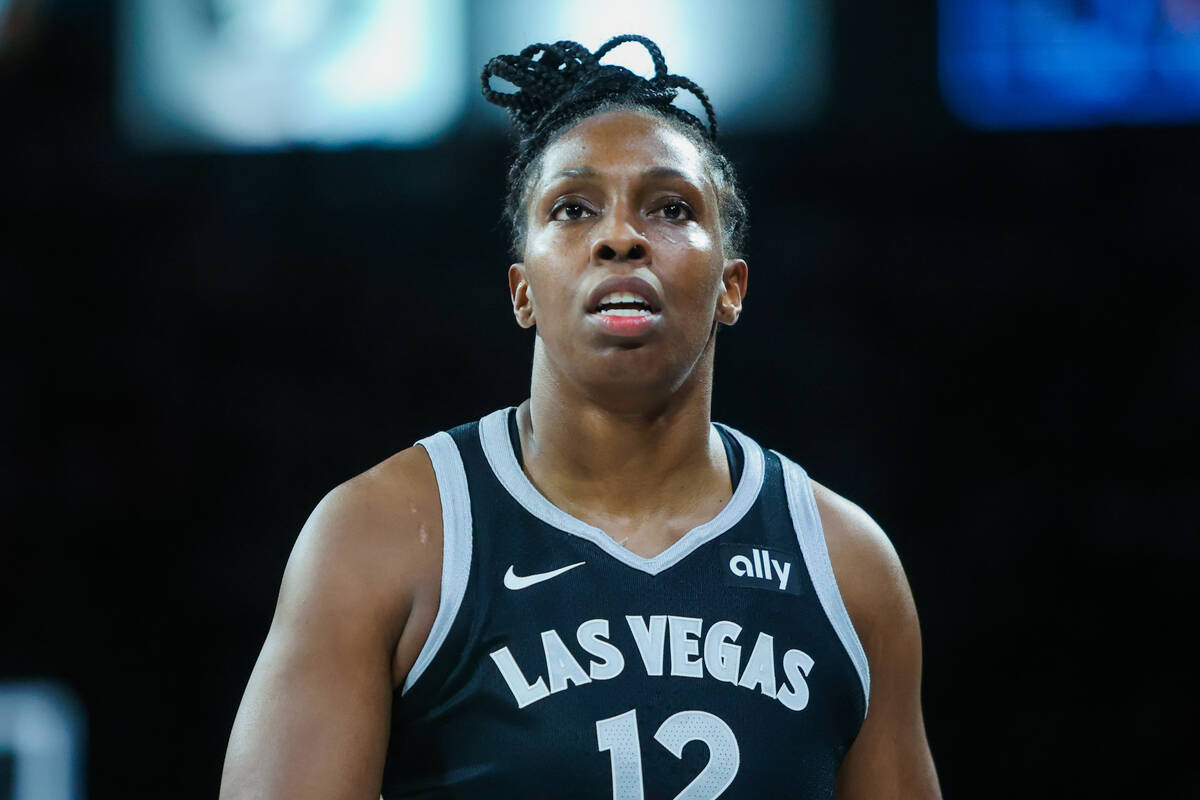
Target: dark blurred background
983	332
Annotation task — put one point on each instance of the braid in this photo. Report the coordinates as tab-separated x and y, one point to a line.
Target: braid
557	80
701	95
540	72
656	56
559	84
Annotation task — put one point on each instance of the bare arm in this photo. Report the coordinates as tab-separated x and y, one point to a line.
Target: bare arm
890	758
357	600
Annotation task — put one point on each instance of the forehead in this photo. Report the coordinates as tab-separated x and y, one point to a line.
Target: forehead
620	143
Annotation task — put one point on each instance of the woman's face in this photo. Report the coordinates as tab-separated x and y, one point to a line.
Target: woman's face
624	274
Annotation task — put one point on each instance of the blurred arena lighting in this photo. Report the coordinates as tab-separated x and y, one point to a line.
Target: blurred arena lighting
20	21
764	63
1069	63
274	73
42	737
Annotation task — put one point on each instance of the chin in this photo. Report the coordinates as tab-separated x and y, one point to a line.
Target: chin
634	374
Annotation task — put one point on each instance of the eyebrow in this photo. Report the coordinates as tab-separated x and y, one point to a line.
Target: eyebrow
575	172
653	172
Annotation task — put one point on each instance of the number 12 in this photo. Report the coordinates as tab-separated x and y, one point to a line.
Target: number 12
619	736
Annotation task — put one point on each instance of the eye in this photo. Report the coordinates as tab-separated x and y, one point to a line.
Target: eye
569	210
676	210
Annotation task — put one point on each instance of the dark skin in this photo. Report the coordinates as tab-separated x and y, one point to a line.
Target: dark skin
626	215
619	194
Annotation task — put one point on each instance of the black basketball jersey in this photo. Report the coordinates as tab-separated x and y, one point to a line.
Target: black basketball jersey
561	664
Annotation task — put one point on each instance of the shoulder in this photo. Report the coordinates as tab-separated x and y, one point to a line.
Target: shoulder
890	756
369	555
869	575
393	508
355	603
390	503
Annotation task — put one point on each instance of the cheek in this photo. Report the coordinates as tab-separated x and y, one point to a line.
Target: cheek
688	239
698	263
554	259
551	288
549	246
699	239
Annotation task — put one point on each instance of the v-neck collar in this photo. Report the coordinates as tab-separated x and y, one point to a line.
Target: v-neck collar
497	447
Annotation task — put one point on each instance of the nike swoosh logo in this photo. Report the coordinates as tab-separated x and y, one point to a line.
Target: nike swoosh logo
514	581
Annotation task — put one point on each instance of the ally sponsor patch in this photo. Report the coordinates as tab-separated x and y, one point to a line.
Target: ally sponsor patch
757	567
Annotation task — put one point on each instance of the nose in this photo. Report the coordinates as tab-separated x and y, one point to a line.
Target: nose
619	239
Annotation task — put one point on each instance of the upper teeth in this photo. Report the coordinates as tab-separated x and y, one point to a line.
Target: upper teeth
622	297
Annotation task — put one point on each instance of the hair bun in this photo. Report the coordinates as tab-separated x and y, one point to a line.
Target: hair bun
555	81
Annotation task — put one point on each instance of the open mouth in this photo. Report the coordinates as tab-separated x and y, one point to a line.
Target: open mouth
623	304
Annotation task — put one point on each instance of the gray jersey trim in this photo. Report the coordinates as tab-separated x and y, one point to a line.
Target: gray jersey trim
456	545
803	507
497	446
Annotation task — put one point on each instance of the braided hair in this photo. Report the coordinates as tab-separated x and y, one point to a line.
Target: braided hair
560	84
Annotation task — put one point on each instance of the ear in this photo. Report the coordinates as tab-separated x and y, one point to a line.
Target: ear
733	291
522	296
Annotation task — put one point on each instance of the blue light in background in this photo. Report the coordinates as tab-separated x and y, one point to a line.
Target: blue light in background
271	73
1064	63
764	63
42	731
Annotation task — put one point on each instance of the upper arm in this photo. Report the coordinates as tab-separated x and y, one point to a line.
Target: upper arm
890	758
353	606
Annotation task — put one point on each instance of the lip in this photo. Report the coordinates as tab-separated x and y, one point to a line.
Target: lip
626	326
626	283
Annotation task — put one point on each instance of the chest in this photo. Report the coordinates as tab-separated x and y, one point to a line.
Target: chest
649	532
574	667
717	676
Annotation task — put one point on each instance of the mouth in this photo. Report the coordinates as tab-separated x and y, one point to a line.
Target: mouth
624	296
625	314
625	306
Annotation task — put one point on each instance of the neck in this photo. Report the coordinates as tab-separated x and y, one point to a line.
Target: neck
623	449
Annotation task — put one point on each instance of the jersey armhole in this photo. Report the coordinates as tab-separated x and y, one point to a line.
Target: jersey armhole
802	505
456	546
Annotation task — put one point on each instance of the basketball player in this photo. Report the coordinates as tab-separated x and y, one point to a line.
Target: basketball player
599	593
